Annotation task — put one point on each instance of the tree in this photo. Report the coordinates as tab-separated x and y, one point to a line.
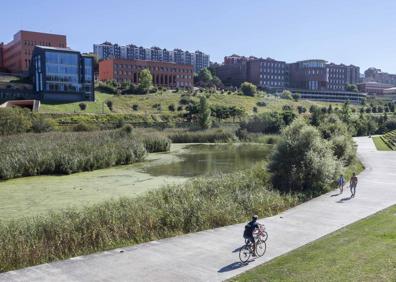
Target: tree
248	89
205	120
303	161
351	88
205	75
145	80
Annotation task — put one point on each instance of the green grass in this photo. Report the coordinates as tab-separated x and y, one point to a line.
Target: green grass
380	144
363	251
122	104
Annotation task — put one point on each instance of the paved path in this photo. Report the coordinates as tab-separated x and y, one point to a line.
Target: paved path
209	256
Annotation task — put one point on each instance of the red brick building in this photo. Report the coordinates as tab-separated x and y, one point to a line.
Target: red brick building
164	73
18	53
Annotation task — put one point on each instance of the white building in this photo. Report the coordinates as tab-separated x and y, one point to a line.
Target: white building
108	50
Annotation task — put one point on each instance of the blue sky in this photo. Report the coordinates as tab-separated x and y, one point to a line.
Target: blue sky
360	32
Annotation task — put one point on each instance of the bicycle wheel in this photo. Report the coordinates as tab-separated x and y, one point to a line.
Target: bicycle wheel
261	248
244	253
265	236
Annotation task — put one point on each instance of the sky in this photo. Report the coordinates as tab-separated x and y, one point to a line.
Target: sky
359	32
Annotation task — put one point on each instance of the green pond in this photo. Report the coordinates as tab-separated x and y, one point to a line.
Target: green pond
40	194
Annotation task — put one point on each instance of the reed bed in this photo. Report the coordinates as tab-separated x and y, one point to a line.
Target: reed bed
196	205
214	135
69	152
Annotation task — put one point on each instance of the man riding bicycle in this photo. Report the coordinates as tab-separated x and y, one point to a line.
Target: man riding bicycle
250	227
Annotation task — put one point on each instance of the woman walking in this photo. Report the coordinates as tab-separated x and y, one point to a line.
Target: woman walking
341	183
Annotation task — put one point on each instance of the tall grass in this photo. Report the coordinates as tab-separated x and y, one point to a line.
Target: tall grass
69	152
197	205
220	135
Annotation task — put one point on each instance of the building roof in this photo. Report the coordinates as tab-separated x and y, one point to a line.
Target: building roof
67	49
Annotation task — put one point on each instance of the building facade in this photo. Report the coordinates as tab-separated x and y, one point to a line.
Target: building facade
17	54
268	73
61	74
319	75
373	88
376	75
108	50
164	73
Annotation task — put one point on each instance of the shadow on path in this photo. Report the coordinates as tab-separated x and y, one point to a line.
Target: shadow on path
335	195
233	266
344	199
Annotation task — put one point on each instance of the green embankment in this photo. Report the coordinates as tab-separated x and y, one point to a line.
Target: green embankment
386	142
363	251
123	104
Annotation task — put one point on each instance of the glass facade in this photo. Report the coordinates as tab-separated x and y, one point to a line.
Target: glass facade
62	72
62	75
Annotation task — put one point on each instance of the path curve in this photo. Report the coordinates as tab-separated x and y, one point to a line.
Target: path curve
209	256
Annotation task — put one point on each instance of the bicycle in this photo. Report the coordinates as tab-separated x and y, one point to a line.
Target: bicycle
246	250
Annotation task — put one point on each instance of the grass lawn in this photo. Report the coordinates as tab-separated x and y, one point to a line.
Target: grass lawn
122	104
380	144
363	251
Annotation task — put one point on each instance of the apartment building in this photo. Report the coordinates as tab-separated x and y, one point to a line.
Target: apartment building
17	54
108	50
164	73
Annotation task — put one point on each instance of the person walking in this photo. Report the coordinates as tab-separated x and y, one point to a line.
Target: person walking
352	185
341	183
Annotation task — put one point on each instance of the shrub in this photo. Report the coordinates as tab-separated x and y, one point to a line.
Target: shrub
261	104
14	120
41	124
179	108
82	106
109	104
184	101
248	89
171	107
255	110
264	123
135	107
106	88
83	126
303	161
286	94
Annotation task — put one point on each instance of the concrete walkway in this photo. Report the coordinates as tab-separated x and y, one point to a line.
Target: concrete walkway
212	255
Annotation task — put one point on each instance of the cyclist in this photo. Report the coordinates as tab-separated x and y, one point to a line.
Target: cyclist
248	233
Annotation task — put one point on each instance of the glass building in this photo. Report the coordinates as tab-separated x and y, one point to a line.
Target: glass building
61	74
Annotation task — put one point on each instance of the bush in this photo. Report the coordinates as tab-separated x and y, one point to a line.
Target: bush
286	94
248	89
41	124
264	123
200	204
261	104
65	153
14	120
109	104
255	110
184	101
83	126
106	88
82	106
135	107
171	107
303	161
179	108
